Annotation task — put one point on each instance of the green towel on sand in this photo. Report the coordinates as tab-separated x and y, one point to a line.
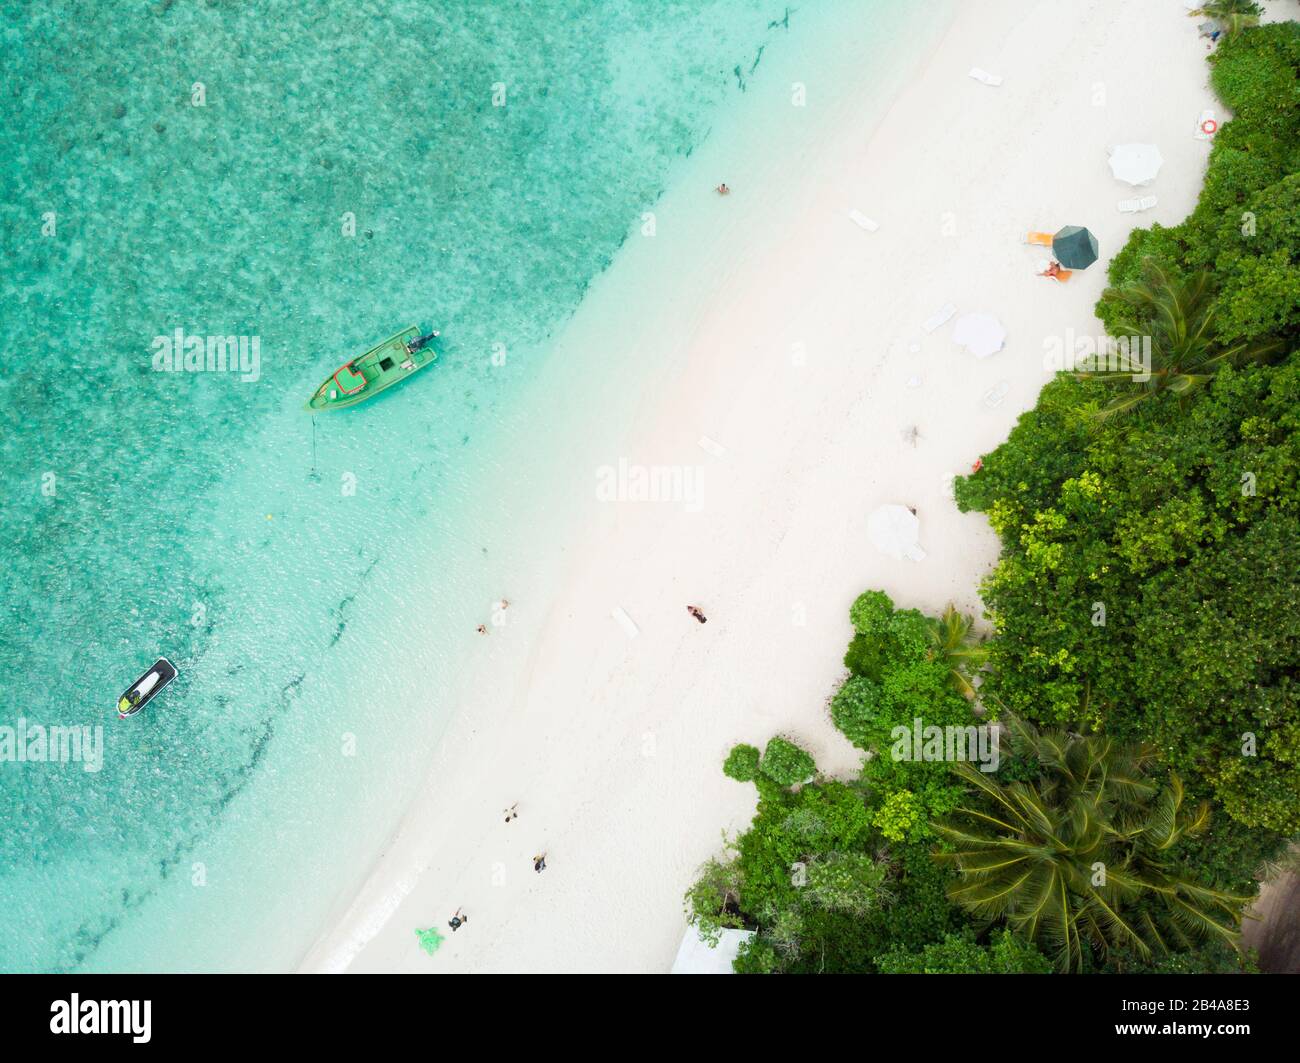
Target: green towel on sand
429	939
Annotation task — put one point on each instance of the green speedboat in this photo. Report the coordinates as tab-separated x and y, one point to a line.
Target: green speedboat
397	358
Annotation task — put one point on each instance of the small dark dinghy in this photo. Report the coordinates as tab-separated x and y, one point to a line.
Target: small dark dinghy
146	688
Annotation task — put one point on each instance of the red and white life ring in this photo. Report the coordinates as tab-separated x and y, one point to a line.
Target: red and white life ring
1209	127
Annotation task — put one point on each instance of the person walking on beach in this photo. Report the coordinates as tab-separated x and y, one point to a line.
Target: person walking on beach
539	863
511	813
694	610
457	921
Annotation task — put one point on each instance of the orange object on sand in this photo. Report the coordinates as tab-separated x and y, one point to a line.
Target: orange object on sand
1042	239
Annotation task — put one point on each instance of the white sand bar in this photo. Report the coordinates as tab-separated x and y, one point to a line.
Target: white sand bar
614	748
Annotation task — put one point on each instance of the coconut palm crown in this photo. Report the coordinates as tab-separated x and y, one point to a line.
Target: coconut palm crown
1080	859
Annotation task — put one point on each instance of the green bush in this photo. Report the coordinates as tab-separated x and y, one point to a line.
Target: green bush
808	877
1257	263
871	613
899	816
960	954
908	678
1254	74
742	763
785	763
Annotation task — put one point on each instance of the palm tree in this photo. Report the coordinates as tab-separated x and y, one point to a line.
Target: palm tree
1171	323
1233	15
952	642
1081	857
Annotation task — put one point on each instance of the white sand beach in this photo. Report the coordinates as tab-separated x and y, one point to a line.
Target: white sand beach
798	345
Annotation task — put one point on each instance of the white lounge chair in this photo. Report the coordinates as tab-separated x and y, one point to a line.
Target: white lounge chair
625	621
860	219
939	317
985	78
1136	206
994	396
712	447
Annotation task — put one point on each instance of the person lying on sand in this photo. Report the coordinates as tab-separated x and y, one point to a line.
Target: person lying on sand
539	863
511	813
457	921
694	610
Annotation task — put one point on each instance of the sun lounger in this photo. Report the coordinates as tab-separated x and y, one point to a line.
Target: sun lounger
1040	239
1206	126
712	447
625	621
1136	206
994	396
939	317
1062	275
860	219
985	78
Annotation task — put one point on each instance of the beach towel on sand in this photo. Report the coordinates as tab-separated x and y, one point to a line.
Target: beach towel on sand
429	939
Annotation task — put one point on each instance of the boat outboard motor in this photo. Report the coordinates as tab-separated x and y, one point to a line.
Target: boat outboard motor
420	341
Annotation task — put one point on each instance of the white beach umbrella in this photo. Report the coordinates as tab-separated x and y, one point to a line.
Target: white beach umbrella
981	334
895	530
1136	164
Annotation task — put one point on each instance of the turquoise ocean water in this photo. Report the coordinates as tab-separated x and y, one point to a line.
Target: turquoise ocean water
200	166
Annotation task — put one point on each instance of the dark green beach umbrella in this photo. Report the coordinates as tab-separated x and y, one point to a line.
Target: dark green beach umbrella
1075	247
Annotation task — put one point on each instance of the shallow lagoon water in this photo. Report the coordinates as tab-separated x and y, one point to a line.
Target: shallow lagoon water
316	177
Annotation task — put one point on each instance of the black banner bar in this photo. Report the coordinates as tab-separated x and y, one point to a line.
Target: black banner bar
344	1012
